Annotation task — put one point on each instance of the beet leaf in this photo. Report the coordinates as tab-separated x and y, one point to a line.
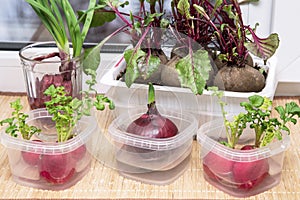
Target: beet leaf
193	70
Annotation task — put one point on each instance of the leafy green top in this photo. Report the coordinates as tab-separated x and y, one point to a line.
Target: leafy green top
50	12
17	123
65	111
258	117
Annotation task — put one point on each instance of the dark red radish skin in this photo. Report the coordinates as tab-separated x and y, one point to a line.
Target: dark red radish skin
249	174
217	164
209	173
57	169
79	153
152	124
30	157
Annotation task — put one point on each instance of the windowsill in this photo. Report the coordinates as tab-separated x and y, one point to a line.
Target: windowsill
11	75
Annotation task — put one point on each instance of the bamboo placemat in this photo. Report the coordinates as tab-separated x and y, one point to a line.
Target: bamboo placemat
102	182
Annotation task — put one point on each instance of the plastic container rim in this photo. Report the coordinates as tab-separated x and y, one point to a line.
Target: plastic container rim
47	147
154	143
236	154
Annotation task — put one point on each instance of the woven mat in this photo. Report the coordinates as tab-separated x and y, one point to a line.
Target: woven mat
103	183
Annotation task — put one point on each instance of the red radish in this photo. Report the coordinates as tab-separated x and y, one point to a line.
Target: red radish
250	174
152	124
209	173
58	168
217	164
79	153
247	147
30	157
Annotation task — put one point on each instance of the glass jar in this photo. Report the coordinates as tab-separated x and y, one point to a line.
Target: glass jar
44	65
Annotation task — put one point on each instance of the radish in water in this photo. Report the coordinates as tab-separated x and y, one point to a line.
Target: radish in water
57	169
79	153
152	124
250	174
31	158
217	164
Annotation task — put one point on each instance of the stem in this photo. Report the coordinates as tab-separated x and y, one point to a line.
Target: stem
258	134
120	15
151	94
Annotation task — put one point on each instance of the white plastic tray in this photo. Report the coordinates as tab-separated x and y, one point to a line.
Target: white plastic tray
180	99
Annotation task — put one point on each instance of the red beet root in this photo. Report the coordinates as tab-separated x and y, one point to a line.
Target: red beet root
217	164
152	124
57	80
30	157
57	169
250	174
68	87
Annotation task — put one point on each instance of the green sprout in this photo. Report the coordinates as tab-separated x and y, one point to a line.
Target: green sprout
17	123
257	117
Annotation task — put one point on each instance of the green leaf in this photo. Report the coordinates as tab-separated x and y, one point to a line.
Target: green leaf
183	7
256	100
92	58
101	16
151	66
218	3
280	110
88	19
263	47
246	1
132	57
228	10
150	18
194	71
73	27
201	11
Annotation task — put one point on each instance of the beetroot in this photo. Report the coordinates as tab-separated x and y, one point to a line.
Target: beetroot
152	124
57	169
47	80
250	174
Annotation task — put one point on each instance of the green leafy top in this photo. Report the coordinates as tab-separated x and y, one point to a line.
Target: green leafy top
220	25
258	117
17	123
65	111
52	14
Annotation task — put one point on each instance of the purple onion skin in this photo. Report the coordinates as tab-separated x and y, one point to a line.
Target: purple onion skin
153	125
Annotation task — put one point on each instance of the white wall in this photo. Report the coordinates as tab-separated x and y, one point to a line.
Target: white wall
285	22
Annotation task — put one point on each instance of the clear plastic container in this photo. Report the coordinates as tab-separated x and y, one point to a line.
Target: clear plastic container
150	160
48	164
237	172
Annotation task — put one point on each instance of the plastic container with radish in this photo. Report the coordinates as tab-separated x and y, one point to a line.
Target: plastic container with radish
46	164
240	172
